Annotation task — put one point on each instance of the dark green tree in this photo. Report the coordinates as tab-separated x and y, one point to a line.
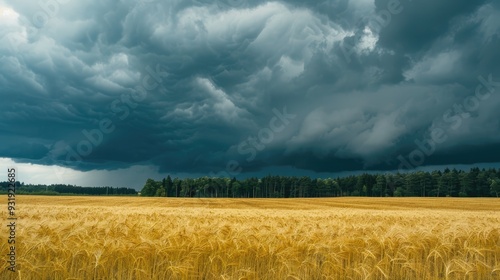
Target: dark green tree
380	186
169	186
150	188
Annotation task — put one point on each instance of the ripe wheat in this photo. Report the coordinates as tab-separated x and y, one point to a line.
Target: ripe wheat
334	238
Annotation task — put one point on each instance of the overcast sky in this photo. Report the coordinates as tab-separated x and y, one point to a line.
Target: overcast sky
113	92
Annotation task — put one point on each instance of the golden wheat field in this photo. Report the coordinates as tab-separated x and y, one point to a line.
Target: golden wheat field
323	238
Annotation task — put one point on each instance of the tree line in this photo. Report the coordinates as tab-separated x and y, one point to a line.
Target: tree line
454	183
56	189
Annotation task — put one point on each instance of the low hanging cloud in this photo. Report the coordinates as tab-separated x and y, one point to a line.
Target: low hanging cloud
186	85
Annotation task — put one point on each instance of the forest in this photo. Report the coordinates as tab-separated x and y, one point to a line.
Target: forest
57	189
448	183
453	183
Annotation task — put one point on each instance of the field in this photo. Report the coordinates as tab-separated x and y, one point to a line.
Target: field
325	238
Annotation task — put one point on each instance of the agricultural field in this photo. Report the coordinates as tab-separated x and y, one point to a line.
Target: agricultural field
190	238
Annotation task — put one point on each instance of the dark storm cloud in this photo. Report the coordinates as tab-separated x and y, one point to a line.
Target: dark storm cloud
427	21
202	86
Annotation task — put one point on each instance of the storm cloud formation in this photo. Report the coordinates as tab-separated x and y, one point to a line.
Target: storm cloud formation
206	86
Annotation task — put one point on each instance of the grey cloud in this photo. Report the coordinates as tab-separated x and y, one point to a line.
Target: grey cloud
216	70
